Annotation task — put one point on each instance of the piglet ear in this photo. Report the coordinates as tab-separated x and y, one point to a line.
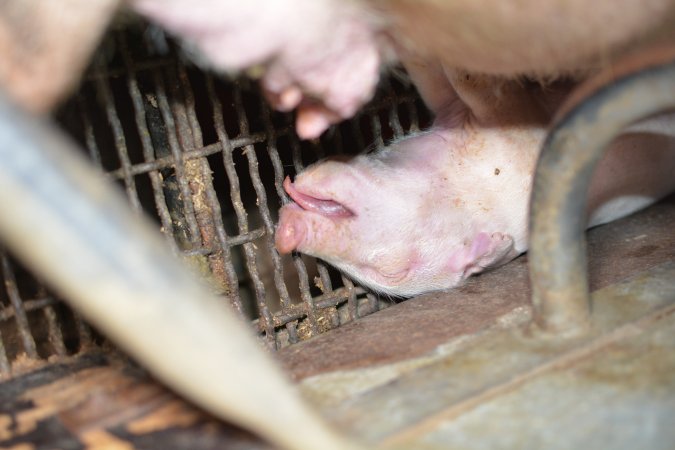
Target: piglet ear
483	251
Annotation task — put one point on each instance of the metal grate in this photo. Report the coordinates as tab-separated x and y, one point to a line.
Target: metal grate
206	159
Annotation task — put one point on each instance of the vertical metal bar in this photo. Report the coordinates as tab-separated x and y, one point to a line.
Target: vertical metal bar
205	200
267	218
378	142
305	293
231	172
296	150
55	336
249	251
375	303
179	165
27	339
352	301
5	368
326	284
146	143
558	213
54	331
105	95
90	140
394	120
83	332
414	117
310	309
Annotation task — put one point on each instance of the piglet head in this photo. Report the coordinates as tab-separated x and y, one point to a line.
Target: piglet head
389	221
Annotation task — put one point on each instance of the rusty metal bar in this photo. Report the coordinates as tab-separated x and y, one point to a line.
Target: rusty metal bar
563	175
106	97
235	196
54	332
279	283
144	134
178	162
17	304
5	367
28	306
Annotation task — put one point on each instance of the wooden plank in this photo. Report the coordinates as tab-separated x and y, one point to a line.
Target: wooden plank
99	401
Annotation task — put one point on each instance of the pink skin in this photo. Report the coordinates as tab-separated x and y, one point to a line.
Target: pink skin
323	56
429	210
324	59
405	220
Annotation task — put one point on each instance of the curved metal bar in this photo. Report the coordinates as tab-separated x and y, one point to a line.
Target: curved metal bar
557	218
74	228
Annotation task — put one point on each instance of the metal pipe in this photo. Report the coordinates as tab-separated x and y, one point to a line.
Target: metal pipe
558	207
74	228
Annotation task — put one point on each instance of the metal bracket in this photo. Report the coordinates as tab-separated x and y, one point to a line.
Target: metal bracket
557	218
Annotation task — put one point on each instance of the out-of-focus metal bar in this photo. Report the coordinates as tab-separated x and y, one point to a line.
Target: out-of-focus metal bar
28	306
146	143
75	230
58	345
558	209
5	368
178	161
106	97
20	316
88	129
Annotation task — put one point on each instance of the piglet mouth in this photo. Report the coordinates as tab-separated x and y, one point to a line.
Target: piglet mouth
311	202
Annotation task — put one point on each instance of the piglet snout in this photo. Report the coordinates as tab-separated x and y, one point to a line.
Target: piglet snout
291	230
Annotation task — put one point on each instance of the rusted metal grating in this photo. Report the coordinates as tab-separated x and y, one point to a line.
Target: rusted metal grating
206	159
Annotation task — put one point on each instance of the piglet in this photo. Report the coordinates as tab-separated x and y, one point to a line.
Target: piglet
429	210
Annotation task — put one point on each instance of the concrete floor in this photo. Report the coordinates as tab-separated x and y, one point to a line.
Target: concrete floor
458	369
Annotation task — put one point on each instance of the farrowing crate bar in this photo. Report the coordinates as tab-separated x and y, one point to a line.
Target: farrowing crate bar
205	158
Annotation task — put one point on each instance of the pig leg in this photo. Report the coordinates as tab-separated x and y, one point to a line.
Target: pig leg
321	56
45	45
489	100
